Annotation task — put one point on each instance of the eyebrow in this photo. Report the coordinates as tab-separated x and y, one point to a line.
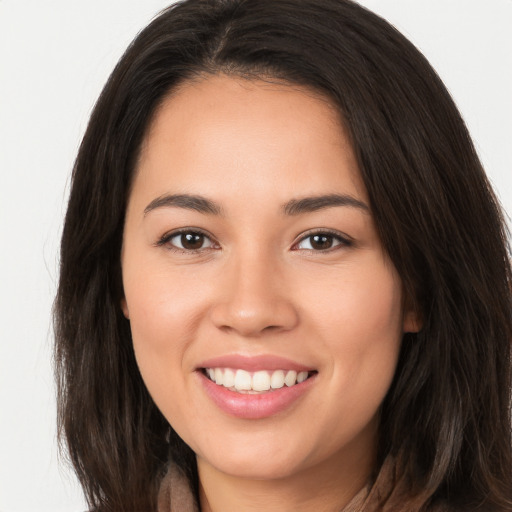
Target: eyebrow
187	201
293	207
315	203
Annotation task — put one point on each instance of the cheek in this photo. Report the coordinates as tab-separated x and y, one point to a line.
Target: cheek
161	332
163	301
364	300
163	314
360	320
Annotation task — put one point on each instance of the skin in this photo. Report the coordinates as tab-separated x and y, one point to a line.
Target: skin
257	286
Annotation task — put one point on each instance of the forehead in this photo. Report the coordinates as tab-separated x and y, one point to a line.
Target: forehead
232	131
229	97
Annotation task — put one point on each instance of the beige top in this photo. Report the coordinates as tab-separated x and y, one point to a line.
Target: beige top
383	496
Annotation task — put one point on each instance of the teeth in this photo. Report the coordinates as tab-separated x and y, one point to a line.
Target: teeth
229	378
277	379
291	378
243	380
302	376
260	381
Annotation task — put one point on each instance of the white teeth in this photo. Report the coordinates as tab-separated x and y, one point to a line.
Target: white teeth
261	381
258	382
229	378
243	381
302	376
277	379
291	378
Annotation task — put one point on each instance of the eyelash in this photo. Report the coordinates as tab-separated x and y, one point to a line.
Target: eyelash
166	239
343	240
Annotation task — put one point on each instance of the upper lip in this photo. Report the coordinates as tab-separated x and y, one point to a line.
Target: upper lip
254	363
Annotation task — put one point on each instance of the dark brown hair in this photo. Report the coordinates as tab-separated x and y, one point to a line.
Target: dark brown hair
446	418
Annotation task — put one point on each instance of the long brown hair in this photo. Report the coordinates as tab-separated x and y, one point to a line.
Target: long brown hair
446	419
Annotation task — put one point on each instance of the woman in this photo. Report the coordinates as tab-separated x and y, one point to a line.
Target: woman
284	275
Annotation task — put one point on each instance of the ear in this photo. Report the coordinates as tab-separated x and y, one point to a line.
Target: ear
412	322
124	308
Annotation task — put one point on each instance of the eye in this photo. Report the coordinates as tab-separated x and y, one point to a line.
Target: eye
187	241
322	241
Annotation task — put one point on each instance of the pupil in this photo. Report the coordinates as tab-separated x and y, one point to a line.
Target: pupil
192	240
321	241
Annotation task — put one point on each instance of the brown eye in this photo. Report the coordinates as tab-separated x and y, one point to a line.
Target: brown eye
190	241
322	242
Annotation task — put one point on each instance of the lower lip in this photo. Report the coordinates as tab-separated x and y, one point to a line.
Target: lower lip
255	406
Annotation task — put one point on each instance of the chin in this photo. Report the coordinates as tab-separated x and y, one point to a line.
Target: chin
260	469
266	460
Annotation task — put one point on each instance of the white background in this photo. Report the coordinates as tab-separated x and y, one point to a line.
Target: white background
55	56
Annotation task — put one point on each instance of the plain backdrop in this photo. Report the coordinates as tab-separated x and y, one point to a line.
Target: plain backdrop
55	56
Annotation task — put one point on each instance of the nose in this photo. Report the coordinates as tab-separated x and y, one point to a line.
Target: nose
254	299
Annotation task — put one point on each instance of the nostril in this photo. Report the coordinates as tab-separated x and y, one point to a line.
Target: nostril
272	328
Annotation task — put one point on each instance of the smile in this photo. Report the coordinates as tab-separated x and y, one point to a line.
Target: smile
245	382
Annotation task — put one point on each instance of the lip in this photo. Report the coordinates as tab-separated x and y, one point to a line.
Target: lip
254	406
254	363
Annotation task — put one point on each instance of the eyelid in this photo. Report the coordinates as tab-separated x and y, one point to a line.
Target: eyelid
345	240
165	239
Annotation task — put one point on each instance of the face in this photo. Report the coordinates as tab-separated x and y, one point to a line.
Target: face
266	318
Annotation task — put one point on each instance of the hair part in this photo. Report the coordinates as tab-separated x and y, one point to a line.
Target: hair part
446	418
